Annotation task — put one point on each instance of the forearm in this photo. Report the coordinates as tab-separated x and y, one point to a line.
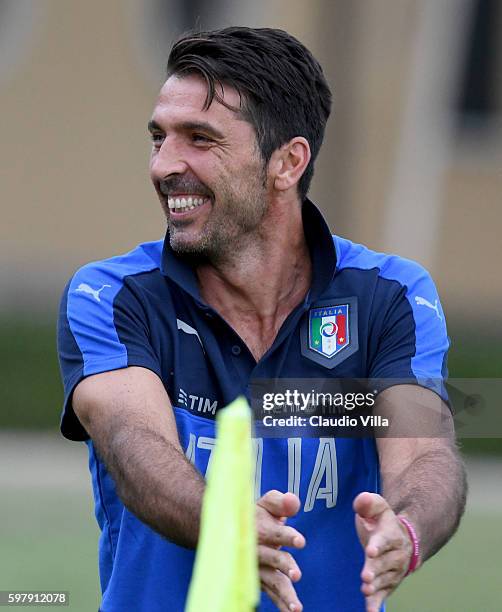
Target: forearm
155	481
431	492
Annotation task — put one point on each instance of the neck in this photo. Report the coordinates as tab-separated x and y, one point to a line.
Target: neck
269	273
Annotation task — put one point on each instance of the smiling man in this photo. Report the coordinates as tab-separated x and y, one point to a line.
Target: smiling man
217	150
182	326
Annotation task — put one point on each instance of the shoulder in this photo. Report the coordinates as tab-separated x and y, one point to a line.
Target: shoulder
100	308
111	273
407	319
406	272
394	284
94	289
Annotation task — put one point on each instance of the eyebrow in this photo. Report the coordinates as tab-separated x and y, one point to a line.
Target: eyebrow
153	126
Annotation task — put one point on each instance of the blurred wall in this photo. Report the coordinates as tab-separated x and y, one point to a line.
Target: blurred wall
78	81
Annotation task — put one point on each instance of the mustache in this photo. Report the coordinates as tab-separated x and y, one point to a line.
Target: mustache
182	184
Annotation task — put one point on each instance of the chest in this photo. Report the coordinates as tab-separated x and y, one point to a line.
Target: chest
207	362
257	336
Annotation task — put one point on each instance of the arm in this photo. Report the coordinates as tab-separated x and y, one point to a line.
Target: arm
129	417
423	479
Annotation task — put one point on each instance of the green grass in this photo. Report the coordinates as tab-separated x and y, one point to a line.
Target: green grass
31	395
49	542
463	577
476	355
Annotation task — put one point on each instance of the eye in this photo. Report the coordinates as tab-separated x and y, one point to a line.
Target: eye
157	139
201	138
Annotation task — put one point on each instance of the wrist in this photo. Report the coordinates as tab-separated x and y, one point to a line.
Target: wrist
415	543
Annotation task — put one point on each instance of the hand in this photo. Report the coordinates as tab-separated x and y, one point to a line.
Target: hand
387	547
278	569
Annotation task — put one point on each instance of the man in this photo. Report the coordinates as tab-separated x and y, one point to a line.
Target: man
154	342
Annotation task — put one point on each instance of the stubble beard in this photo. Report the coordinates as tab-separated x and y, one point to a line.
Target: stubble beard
233	223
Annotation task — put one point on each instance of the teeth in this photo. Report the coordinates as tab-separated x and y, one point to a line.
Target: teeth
181	204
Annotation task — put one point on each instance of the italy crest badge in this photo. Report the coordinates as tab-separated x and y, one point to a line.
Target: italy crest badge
329	331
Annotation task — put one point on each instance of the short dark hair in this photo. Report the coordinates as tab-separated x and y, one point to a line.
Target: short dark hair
282	87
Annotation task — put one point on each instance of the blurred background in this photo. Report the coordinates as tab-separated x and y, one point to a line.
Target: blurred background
412	163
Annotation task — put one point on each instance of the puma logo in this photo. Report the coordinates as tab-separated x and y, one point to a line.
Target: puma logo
85	288
188	329
423	302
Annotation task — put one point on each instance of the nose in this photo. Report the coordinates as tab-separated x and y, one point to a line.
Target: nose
167	161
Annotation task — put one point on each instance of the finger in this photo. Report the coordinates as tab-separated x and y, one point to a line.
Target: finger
370	505
393	560
281	606
291	504
277	534
280	504
386	581
279	560
374	602
375	584
282	588
379	544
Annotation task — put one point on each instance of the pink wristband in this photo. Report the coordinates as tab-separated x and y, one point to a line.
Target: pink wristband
415	555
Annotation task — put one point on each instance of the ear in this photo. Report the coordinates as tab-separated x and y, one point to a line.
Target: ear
287	164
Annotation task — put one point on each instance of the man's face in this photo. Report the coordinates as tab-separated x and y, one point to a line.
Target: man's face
206	169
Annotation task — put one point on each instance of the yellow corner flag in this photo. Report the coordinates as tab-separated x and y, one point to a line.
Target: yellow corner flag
225	575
